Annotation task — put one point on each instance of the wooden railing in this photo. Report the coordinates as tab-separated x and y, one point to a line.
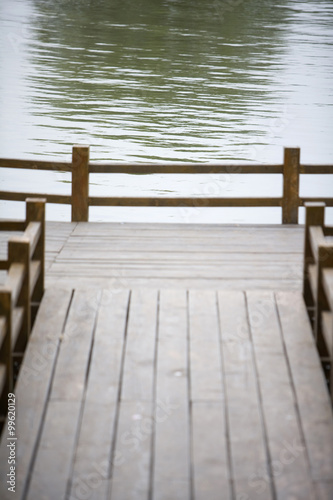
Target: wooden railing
80	167
21	293
318	283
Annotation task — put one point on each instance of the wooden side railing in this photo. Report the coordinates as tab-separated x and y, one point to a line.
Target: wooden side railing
21	293
318	283
80	200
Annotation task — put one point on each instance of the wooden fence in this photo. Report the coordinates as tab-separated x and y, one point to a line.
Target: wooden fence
80	167
318	283
21	293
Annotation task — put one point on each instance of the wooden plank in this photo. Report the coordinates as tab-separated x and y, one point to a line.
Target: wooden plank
324	490
325	260
163	168
209	450
73	360
327	329
313	278
51	198
57	445
12	225
18	252
92	465
314	216
205	358
35	164
6	350
105	255
211	475
184	168
160	228
14	280
3	375
132	458
317	238
172	270
138	377
164	201
290	476
328	286
243	409
17	322
33	232
33	385
208	247
120	282
225	235
52	468
316	169
315	411
35	271
2	329
131	472
171	453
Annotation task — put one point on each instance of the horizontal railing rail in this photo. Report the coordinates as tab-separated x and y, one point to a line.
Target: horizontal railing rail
81	167
21	293
318	283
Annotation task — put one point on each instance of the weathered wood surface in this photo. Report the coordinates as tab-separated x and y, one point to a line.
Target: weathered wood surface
172	255
171	394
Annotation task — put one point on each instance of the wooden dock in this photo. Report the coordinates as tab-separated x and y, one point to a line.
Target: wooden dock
171	394
171	362
167	362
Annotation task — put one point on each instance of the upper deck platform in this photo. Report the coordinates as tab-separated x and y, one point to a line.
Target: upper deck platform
172	255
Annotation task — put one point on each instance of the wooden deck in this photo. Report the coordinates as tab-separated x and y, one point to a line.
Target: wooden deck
171	394
212	256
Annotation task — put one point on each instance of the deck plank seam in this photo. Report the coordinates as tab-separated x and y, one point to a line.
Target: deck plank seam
225	403
118	400
189	397
154	405
64	243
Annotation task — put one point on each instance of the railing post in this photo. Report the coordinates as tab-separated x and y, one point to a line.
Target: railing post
35	212
80	183
314	216
290	200
19	252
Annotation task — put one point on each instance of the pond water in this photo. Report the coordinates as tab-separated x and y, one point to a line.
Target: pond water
166	80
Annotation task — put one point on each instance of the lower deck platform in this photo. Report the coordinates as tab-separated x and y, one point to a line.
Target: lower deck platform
171	394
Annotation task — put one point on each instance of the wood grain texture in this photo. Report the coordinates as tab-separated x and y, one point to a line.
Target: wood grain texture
173	255
290	200
290	474
243	406
75	349
171	453
34	384
172	394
